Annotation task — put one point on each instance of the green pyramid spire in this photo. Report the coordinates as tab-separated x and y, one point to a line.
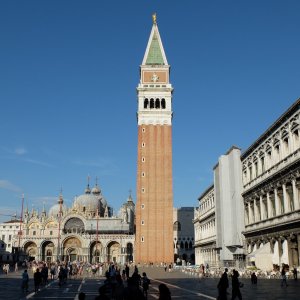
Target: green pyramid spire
155	56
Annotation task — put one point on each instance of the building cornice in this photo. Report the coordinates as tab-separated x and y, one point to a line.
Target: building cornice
283	118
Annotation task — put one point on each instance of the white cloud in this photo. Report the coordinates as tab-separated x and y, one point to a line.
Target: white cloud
38	162
20	151
7	185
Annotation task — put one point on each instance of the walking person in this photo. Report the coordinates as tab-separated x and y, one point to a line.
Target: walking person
253	278
295	273
223	286
145	285
37	277
283	277
236	286
127	271
25	280
164	292
52	272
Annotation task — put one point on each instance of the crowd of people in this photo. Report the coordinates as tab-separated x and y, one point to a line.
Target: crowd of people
118	283
120	286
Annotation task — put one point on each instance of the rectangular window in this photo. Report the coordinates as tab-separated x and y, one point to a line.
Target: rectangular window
9	237
262	161
142	239
143	190
250	172
143	145
143	206
256	169
142	222
3	237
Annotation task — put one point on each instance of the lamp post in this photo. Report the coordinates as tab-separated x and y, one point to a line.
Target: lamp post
90	250
20	229
97	237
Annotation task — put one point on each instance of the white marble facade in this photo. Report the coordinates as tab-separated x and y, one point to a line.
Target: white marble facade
205	229
256	207
271	182
218	220
87	231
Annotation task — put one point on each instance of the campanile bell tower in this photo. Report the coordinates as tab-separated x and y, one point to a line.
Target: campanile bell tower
154	209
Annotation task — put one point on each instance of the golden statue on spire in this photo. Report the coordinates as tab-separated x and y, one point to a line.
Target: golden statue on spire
154	18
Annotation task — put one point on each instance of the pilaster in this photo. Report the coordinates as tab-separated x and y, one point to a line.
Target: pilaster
295	194
277	203
269	206
287	207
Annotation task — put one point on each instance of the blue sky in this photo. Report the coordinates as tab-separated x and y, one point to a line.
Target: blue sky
68	77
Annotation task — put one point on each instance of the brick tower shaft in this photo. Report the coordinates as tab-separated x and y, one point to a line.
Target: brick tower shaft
154	209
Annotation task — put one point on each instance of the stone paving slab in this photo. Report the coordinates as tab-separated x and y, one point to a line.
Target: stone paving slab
182	286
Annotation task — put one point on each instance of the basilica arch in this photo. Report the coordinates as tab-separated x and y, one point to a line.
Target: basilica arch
96	252
47	248
31	250
71	249
114	252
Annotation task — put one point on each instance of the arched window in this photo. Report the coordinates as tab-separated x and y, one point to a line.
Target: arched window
191	245
146	103
163	103
181	245
157	103
177	226
74	225
151	103
186	245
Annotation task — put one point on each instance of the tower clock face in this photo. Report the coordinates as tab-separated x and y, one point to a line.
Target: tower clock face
154	77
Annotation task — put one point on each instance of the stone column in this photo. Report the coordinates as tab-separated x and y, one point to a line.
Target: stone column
256	217
250	213
262	208
277	203
269	206
298	242
287	207
295	195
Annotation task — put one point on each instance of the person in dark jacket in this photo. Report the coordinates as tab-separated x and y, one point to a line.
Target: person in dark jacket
223	286
164	292
236	286
37	278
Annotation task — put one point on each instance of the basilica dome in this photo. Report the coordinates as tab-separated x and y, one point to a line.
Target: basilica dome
91	200
56	208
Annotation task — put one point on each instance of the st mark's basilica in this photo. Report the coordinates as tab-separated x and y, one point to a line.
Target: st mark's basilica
87	231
